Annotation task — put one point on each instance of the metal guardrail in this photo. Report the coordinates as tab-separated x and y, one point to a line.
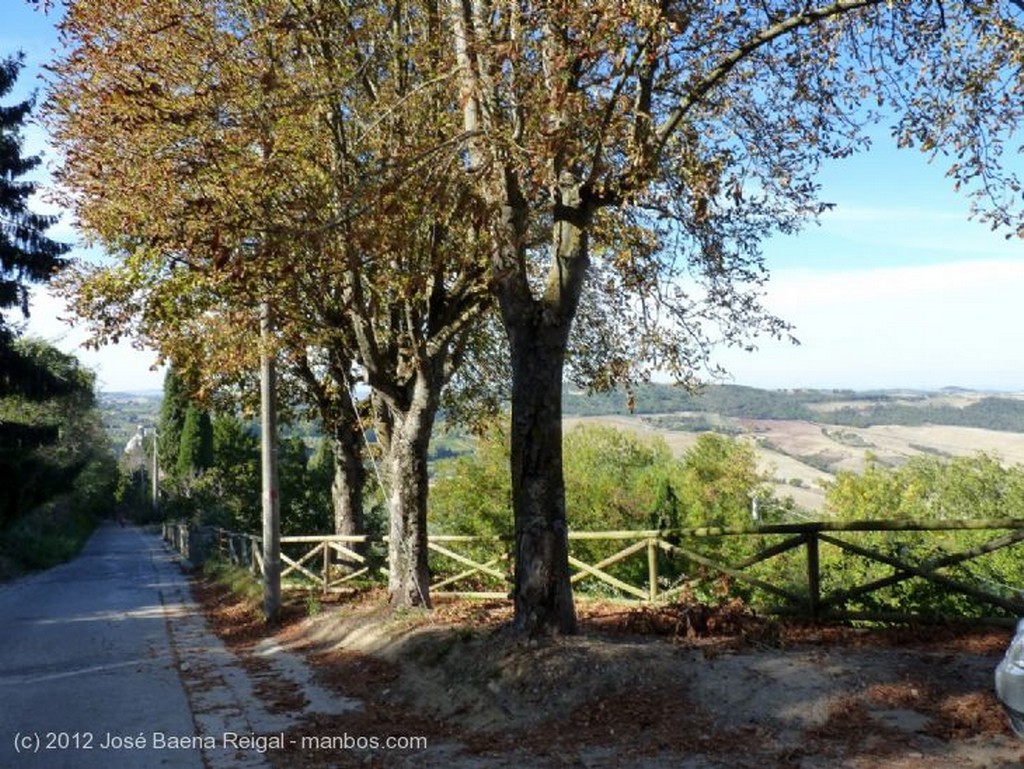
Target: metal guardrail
654	565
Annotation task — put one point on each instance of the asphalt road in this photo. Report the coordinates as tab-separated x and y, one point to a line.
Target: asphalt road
88	669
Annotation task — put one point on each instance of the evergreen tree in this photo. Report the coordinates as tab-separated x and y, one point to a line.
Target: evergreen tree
172	421
26	254
30	372
195	451
234	480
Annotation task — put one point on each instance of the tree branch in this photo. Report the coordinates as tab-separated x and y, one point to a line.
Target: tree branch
719	73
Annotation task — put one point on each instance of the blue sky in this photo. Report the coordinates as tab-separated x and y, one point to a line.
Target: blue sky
896	288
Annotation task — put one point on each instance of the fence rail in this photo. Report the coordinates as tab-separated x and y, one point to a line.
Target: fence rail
779	567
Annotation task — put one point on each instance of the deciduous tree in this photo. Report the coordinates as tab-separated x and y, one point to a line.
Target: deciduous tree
274	165
658	144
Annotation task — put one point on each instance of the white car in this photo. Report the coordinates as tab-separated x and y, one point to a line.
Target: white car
1010	681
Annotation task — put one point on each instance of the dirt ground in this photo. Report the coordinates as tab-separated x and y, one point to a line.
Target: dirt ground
677	686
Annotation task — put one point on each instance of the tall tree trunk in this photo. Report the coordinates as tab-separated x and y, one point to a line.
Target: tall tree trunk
542	593
538	331
339	414
410	426
337	410
347	484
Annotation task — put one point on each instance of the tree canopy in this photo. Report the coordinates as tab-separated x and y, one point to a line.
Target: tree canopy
261	186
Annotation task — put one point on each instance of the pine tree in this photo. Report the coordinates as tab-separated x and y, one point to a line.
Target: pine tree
26	254
35	372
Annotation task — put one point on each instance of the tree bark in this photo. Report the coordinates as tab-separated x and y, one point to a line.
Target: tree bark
336	409
542	593
538	331
408	481
347	485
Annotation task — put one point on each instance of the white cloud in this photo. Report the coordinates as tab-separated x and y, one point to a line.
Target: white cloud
924	326
895	286
118	367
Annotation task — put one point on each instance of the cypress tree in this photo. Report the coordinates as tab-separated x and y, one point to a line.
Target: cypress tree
195	452
172	421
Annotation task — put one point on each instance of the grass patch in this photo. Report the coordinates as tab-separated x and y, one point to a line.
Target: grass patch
236	581
52	534
313	605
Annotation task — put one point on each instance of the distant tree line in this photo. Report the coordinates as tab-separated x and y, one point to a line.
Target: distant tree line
726	400
209	465
875	408
992	413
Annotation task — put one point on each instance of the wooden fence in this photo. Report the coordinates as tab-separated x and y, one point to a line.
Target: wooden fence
872	565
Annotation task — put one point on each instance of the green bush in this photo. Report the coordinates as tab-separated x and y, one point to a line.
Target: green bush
615	481
927	488
620	481
52	534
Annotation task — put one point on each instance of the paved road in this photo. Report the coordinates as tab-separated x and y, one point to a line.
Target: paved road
88	670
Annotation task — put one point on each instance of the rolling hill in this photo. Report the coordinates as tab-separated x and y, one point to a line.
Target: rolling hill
803	437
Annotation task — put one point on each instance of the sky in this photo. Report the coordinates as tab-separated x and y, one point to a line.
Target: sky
895	289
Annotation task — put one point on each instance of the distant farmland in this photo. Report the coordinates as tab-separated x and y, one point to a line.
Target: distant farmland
803	437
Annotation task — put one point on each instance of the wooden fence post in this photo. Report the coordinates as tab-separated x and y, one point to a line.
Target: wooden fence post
327	567
813	575
652	568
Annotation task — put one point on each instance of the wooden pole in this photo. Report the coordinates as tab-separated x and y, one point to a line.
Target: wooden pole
652	568
327	566
268	451
813	575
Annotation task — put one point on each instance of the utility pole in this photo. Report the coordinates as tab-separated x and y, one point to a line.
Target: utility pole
155	479
268	449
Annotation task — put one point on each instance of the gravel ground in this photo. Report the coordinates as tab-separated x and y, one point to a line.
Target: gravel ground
675	687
